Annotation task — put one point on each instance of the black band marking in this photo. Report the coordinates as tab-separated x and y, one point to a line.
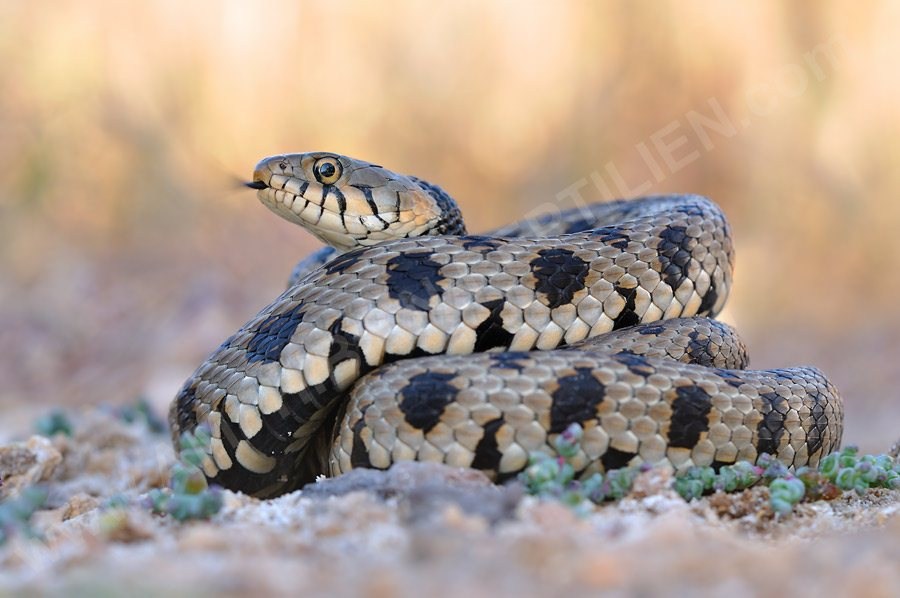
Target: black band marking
816	431
636	364
341	201
612	236
370	199
425	397
480	244
273	333
616	459
627	317
771	427
560	274
184	407
690	416
650	329
674	255
491	334
487	455
709	300
359	455
576	400
510	360
413	279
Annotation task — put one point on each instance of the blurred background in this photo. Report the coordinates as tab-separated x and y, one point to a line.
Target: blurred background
128	251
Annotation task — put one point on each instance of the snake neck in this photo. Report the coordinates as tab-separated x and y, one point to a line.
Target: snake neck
451	220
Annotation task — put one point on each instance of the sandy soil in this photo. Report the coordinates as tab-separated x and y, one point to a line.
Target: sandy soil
421	529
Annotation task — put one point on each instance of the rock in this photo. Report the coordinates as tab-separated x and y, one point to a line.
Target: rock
125	527
78	505
425	489
204	537
653	482
24	464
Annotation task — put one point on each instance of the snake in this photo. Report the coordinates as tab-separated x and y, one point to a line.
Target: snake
407	338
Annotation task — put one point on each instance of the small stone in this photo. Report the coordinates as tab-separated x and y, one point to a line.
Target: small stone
204	537
121	525
24	464
551	515
655	481
425	489
78	504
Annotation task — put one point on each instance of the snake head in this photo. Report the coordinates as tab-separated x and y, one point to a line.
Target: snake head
349	203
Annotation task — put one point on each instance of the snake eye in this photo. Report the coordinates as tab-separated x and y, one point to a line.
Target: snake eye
327	170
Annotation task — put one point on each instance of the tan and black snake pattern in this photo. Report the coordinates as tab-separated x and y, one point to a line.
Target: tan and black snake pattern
419	341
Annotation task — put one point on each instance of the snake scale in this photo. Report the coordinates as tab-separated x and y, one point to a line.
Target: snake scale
410	339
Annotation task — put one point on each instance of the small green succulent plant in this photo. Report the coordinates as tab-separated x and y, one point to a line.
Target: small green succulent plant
16	513
554	476
188	495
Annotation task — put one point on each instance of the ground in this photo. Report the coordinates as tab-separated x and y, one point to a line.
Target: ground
419	529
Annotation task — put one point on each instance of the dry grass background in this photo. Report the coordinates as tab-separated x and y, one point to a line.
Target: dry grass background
127	250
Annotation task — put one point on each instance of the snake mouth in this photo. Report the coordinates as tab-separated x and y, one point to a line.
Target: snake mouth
256	185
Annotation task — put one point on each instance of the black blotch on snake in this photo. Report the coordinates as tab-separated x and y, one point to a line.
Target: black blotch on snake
344	261
709	299
728	377
690	411
184	410
510	360
576	400
635	363
344	346
491	333
487	453
816	431
627	317
771	426
231	435
425	397
674	255
612	236
273	334
560	274
296	408
359	455
698	349
236	476
650	329
479	243
412	279
615	459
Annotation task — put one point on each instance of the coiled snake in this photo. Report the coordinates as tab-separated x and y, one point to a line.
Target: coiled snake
422	342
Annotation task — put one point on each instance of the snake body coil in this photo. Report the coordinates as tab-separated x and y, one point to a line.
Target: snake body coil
423	342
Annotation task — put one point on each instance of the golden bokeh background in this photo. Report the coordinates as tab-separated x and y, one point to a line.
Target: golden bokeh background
128	251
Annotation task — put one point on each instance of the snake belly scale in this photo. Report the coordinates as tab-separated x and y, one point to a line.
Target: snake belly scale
410	339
